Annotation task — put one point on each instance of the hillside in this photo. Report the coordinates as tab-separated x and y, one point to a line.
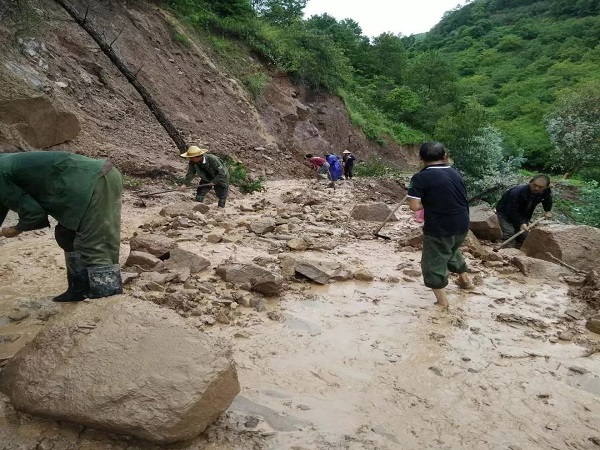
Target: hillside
58	88
517	58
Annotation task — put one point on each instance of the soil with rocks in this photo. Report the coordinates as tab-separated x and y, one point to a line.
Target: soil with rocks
345	348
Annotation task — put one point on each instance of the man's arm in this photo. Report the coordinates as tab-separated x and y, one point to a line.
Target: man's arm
415	204
189	176
414	194
31	215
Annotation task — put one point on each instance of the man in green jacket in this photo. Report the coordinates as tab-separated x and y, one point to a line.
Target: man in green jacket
212	172
84	196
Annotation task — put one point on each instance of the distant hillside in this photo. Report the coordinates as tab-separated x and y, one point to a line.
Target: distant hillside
516	57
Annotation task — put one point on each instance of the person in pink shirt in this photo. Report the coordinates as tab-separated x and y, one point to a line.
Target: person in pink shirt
319	165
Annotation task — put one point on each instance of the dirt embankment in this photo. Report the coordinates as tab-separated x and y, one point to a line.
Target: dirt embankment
363	361
203	99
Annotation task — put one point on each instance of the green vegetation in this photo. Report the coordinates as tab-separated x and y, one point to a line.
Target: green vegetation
256	84
375	167
238	176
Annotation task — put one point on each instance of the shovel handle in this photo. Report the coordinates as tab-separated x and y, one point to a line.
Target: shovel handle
516	235
391	214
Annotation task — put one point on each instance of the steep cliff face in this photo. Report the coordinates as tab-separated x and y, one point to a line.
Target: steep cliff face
59	88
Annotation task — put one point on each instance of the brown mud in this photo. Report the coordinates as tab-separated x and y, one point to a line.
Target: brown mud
352	364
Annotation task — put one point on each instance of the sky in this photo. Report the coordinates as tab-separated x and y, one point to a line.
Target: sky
379	16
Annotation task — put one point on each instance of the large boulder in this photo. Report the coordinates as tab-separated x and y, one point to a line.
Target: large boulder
320	271
257	278
125	366
577	245
375	212
483	222
179	259
535	268
38	123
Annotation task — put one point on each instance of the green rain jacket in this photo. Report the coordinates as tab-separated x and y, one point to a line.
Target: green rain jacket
38	184
212	170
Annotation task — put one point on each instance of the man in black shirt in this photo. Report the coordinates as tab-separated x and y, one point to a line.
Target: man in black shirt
441	192
515	208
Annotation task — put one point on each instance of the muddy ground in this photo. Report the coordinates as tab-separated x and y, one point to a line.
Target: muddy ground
351	364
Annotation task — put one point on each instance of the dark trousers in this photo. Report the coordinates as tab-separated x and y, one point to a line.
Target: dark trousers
348	171
509	229
440	255
221	190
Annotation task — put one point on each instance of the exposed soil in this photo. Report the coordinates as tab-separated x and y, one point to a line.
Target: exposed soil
351	364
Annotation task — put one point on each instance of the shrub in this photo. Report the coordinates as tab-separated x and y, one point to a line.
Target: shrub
238	176
256	84
376	168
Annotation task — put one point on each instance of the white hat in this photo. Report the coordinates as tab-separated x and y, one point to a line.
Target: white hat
346	152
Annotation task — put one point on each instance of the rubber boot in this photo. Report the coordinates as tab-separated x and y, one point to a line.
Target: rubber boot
77	277
105	281
222	202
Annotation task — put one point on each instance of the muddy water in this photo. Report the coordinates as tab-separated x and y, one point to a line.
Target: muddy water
355	365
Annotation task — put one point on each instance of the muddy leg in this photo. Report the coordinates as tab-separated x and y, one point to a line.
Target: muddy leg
442	299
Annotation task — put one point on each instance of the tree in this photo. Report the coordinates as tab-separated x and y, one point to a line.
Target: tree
280	12
574	129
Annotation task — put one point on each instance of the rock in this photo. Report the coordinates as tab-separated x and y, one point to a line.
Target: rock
37	121
566	335
593	324
577	245
574	314
288	266
376	212
483	222
318	271
412	272
127	277
201	208
297	244
178	209
18	315
260	279
262	226
411	240
124	366
156	245
214	238
182	258
142	259
535	268
363	274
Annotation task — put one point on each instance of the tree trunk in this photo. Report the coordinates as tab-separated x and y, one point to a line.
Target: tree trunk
108	51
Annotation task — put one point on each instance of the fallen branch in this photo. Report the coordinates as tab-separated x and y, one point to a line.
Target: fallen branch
108	51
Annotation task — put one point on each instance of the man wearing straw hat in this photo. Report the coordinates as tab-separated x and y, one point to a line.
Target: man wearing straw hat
348	162
212	172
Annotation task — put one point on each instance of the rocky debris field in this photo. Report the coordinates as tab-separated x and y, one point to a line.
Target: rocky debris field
336	341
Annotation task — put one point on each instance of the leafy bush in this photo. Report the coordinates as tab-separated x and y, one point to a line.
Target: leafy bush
238	176
256	84
574	128
376	168
587	209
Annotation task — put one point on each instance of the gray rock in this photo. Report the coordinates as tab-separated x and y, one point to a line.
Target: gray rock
262	226
157	245
593	324
258	278
376	212
483	222
142	259
124	366
318	271
178	209
182	258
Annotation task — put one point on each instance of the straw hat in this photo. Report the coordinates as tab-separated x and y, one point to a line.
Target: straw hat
346	152
194	151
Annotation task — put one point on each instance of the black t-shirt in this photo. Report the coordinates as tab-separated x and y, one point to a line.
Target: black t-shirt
442	191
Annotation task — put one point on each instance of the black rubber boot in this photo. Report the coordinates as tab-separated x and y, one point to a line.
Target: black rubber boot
105	281
222	202
77	278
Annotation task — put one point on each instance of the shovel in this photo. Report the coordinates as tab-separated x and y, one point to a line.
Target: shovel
376	233
516	235
150	194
